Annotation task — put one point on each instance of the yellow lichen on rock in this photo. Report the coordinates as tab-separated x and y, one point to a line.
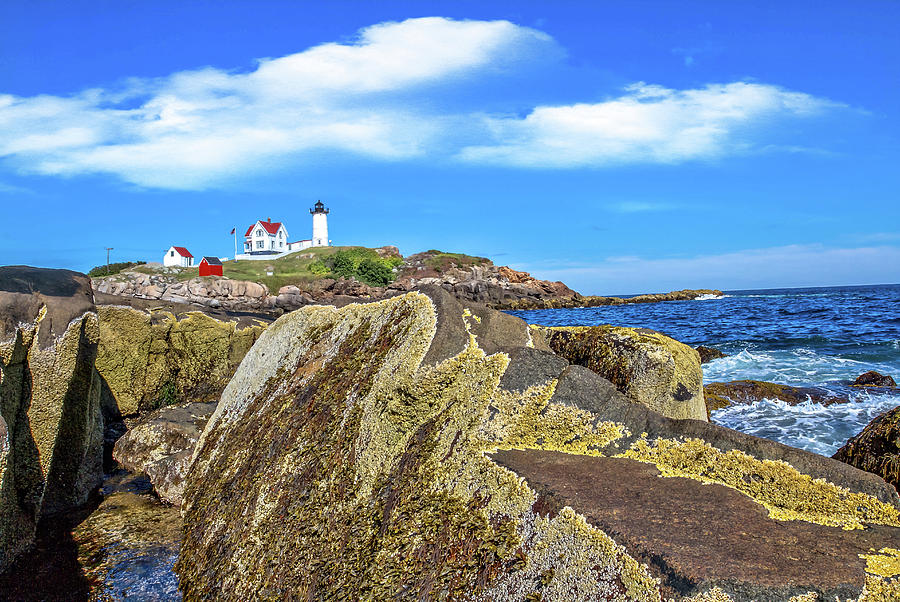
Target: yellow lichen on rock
884	563
527	420
716	595
878	589
785	492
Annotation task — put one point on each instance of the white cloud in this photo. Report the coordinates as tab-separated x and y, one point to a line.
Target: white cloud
647	124
774	267
192	128
373	97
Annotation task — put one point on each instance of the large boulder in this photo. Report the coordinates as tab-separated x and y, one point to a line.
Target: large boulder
161	446
645	365
876	448
51	426
153	358
420	448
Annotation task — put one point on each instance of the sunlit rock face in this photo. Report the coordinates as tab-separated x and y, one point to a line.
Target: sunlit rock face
420	448
51	428
150	359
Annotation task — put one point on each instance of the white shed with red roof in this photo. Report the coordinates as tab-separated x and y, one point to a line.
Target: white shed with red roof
178	257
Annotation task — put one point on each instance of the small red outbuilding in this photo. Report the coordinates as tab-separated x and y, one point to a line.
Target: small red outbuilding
210	266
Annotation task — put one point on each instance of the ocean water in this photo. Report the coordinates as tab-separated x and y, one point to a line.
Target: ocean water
801	337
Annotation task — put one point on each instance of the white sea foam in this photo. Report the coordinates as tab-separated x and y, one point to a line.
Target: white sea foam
708	297
799	366
809	426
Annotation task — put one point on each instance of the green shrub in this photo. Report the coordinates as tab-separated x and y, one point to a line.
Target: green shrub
318	268
114	268
363	264
375	271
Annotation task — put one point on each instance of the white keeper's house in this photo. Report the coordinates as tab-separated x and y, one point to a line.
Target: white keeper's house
266	238
269	240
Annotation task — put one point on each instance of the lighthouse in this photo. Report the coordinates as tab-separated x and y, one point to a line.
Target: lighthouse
320	225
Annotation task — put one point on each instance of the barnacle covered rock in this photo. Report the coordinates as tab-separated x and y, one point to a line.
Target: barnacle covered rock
645	365
151	359
420	448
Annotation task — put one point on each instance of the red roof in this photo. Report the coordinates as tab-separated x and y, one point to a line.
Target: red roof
183	252
271	227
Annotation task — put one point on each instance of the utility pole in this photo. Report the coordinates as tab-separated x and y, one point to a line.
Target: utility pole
108	249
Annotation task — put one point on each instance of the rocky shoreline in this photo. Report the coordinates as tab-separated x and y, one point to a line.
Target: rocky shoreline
421	443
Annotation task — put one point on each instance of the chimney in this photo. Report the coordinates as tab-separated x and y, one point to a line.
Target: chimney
269	219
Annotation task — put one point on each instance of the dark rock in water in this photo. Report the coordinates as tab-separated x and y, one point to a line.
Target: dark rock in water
364	453
645	365
876	448
161	446
708	354
721	395
51	425
873	379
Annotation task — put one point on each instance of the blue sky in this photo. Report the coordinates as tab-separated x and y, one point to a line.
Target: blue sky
621	147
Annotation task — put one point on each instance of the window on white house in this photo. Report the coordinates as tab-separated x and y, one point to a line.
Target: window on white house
260	244
259	232
281	244
171	253
279	234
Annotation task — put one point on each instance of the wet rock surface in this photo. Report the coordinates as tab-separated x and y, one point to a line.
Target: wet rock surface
721	395
708	354
646	366
161	444
876	448
873	379
128	545
121	546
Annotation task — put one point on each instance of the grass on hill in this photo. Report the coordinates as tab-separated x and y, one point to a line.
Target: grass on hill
305	266
440	261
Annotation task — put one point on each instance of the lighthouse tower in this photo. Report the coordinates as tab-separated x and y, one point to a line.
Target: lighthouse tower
320	225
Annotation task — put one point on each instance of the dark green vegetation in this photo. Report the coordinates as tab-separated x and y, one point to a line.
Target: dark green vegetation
113	268
363	264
